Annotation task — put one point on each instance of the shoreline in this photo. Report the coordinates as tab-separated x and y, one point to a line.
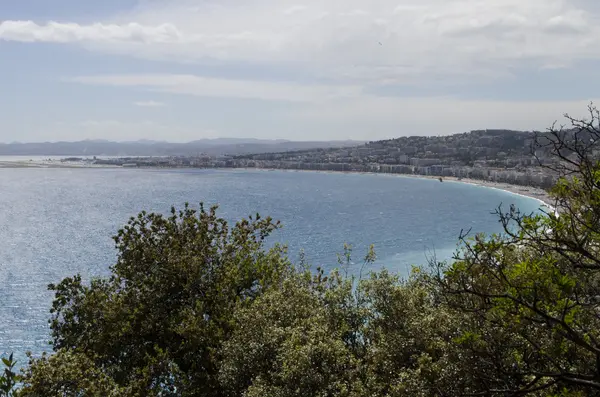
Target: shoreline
534	193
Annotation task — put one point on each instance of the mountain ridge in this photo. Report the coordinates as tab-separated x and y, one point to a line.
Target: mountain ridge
145	147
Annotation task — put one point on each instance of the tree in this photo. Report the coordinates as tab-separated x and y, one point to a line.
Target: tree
534	290
286	344
344	336
8	379
69	373
157	323
259	327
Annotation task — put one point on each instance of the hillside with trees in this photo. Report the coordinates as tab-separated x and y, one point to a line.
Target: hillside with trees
516	157
197	307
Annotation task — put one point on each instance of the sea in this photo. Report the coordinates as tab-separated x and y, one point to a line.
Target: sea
57	222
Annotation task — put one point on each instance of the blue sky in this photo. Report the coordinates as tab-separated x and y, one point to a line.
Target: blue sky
181	70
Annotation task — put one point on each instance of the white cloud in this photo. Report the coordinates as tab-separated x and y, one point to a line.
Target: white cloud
340	39
571	22
55	32
348	49
293	9
222	88
150	104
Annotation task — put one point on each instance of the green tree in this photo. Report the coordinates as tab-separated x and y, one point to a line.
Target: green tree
9	378
286	344
157	323
68	373
286	333
345	336
534	291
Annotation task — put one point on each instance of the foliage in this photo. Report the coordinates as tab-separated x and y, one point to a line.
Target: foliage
158	321
8	379
68	373
196	308
535	289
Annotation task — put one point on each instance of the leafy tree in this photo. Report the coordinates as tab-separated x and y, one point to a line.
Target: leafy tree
68	373
287	345
8	379
344	336
534	291
285	333
158	321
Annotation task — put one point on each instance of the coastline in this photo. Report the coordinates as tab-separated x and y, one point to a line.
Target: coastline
537	194
540	195
49	164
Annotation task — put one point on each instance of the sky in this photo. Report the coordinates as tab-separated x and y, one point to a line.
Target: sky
180	70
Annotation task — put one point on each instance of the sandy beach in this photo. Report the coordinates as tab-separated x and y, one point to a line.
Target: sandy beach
532	192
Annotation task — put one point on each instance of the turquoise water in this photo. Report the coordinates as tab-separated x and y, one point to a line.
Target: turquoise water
58	222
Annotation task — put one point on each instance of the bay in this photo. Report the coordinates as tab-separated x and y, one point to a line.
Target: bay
57	222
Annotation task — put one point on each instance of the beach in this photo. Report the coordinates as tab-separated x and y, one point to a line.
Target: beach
528	191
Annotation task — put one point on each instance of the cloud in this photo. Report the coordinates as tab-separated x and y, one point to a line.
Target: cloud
293	9
55	32
332	59
150	104
223	88
572	22
420	39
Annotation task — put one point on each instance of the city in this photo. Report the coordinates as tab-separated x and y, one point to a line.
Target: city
500	156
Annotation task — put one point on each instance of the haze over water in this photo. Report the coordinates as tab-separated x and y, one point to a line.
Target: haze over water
58	222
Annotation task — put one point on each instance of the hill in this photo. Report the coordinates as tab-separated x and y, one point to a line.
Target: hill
492	155
466	147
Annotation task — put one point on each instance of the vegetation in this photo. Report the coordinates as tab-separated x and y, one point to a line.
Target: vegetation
195	307
8	379
494	148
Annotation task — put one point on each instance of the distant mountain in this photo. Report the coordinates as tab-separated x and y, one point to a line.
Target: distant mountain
218	146
237	141
468	147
